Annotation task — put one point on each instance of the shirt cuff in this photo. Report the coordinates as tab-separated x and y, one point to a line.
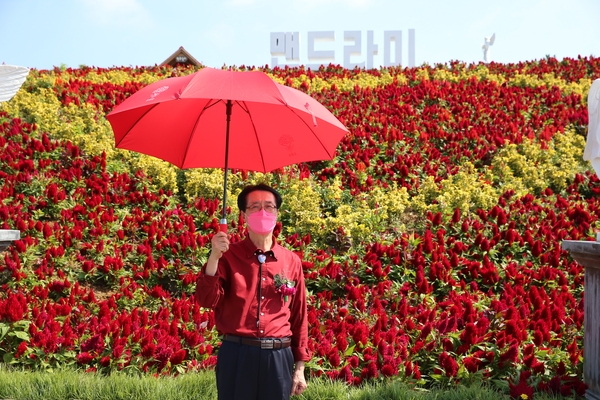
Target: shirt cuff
301	353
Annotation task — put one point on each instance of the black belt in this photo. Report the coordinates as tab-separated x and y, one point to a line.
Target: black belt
271	344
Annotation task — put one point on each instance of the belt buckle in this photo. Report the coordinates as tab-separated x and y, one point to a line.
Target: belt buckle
267	344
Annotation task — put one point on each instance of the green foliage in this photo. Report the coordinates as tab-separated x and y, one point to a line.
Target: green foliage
467	191
163	174
369	210
68	384
331	215
580	87
530	168
301	210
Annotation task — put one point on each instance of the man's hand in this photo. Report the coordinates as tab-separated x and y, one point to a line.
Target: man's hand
219	245
298	381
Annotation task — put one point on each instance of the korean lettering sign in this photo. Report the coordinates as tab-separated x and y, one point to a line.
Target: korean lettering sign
322	48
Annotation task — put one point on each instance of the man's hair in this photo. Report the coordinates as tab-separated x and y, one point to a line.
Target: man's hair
241	200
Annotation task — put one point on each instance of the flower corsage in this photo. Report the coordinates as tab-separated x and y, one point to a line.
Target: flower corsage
284	286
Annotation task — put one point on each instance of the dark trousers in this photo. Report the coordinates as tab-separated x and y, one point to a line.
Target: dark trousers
251	373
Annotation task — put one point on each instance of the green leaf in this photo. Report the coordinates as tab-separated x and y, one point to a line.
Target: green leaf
21	335
7	358
349	350
4	328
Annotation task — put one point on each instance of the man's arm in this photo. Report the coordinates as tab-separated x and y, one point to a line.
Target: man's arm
219	245
208	291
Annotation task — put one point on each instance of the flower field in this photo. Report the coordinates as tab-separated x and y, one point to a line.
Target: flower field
431	244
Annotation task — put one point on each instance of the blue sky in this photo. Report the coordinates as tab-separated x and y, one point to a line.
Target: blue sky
107	33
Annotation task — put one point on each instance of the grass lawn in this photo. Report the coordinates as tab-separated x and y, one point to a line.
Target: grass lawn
60	385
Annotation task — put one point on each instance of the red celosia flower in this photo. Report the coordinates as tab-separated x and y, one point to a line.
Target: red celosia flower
426	330
346	375
178	357
416	371
148	350
518	391
95	344
361	334
118	351
370	371
511	355
21	349
448	363
105	361
456	215
469	335
417	347
427	242
13	308
84	358
334	357
389	369
447	344
471	364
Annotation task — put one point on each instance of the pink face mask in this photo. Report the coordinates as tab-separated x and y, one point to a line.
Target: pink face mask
261	222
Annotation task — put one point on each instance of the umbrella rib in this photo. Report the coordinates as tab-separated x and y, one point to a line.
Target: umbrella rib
134	124
245	108
210	104
311	131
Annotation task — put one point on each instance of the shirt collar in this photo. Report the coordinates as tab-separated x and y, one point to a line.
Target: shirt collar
252	251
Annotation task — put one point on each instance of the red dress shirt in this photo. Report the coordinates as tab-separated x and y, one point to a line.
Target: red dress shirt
235	295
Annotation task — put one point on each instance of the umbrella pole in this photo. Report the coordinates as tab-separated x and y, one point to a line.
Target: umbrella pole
223	222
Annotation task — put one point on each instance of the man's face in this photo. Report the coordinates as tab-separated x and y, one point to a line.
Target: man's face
260	200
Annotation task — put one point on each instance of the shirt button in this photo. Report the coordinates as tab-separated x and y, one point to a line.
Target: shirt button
264	279
262	297
262	331
262	313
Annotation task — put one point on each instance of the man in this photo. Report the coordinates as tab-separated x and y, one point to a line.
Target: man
256	288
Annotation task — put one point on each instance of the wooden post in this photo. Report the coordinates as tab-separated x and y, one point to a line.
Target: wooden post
587	253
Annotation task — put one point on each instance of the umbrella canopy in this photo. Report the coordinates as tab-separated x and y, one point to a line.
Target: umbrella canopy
11	79
226	119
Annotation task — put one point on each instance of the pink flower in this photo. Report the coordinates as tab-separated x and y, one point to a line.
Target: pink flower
284	286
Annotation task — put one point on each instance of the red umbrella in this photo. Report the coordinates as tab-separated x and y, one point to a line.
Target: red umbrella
226	119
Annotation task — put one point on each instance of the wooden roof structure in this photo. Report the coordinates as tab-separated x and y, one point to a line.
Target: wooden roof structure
181	57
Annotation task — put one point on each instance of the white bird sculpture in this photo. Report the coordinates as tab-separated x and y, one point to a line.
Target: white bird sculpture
488	41
591	152
11	79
